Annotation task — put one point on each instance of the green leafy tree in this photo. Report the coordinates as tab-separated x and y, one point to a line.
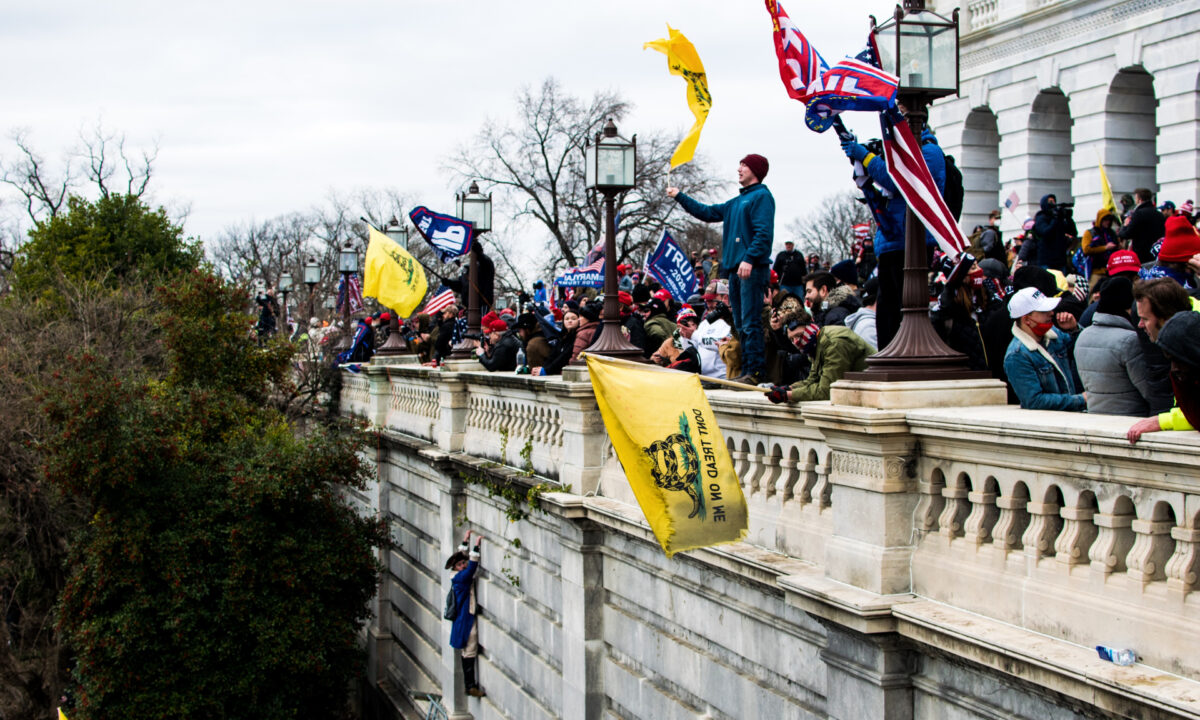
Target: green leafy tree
221	575
117	235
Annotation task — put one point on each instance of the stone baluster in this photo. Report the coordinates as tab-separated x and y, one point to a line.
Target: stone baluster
809	470
1152	547
770	473
1183	568
929	506
1011	523
740	466
1044	526
1113	541
789	475
956	509
1078	533
977	528
754	471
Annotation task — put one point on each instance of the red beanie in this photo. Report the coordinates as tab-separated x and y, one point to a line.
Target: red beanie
1181	241
758	165
624	298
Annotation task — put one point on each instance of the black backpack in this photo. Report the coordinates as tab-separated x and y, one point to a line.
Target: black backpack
451	611
953	194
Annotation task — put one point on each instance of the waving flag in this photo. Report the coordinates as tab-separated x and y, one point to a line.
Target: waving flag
1011	202
1106	195
800	65
447	235
442	299
591	275
906	166
672	268
392	276
855	83
683	60
355	291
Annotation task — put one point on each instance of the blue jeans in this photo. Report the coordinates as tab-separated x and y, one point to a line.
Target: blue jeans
797	290
746	302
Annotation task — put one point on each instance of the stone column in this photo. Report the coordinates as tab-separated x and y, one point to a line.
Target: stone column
583	436
380	395
866	676
453	403
582	573
1178	120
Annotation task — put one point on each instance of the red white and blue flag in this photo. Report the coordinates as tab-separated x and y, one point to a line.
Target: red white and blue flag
356	296
591	275
908	170
800	65
855	83
441	300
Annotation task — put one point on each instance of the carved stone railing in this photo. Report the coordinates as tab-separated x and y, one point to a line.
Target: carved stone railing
515	421
356	395
982	13
413	403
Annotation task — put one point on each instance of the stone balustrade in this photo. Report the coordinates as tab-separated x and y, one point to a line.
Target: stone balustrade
982	13
922	522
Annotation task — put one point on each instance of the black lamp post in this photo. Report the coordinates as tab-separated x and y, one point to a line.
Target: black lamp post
610	166
312	276
395	344
285	287
347	266
921	48
476	208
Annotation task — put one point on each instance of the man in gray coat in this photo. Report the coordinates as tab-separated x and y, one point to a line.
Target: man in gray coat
1109	357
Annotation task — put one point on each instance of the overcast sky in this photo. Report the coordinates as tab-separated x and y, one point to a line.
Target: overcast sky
261	107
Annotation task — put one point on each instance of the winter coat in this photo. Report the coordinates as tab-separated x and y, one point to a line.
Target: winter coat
463	584
537	349
1095	243
1043	376
862	322
876	168
1112	368
503	356
1048	246
749	226
706	340
585	335
842	301
1146	227
839	351
563	348
658	331
991	242
791	267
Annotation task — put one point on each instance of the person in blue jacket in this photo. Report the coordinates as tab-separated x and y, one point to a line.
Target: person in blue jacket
1040	363
464	635
889	236
746	240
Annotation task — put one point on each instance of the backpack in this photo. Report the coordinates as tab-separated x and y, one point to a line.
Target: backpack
451	611
953	193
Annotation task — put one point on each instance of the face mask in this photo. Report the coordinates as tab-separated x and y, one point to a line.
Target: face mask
1040	329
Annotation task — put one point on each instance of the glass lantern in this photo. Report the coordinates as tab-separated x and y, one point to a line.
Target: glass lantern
312	271
347	258
474	207
921	48
285	282
610	161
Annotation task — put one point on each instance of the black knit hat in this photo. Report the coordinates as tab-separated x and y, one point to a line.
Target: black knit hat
641	293
1116	297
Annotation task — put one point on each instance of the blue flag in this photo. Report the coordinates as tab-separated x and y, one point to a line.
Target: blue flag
671	268
587	276
447	235
856	83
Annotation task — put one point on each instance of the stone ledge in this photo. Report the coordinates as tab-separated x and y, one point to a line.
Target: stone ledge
861	610
923	394
1055	665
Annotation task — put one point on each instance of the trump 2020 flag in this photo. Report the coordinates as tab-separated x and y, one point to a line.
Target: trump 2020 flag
672	269
667	439
392	276
683	60
447	235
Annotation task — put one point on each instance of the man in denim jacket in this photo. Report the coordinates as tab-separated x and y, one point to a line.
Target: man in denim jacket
1039	362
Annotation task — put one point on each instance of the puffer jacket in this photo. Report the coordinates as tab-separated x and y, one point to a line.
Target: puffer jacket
1043	376
1112	368
839	351
896	207
842	301
658	331
748	230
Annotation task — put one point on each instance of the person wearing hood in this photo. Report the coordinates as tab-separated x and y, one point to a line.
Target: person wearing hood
1099	243
1039	363
1144	226
1179	340
862	320
835	350
889	234
1052	233
1109	356
658	326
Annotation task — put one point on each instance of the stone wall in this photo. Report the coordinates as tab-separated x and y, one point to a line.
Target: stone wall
900	564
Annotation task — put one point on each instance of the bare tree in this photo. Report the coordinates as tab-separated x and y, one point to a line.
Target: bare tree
828	231
103	154
44	192
538	164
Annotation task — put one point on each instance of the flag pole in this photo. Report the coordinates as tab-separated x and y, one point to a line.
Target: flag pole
659	368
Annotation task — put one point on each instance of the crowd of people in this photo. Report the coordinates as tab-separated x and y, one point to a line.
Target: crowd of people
1097	321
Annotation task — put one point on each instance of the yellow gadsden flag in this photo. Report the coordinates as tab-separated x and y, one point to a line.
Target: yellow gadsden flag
683	60
1106	196
392	276
668	442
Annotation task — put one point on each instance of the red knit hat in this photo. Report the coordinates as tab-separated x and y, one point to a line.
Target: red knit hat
624	298
1181	241
758	165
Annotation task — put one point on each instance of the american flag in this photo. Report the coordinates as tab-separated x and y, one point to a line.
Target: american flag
356	296
442	299
1011	202
800	65
862	231
906	166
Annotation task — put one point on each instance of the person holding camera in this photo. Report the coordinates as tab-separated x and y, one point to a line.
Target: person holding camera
1053	232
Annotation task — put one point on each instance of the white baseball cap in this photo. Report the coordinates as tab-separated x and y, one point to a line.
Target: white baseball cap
1029	300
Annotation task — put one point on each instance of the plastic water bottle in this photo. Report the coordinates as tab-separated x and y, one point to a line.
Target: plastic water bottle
1118	656
520	359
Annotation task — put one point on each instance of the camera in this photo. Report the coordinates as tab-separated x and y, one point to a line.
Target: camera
1066	211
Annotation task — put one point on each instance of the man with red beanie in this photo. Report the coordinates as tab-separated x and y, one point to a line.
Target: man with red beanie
747	236
1179	245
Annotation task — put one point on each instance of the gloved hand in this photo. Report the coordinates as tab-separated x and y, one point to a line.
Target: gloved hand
854	150
778	394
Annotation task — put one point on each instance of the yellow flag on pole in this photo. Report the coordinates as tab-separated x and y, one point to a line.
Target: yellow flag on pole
392	276
1106	196
667	439
683	60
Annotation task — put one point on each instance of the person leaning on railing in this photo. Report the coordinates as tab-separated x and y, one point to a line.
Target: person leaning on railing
1160	303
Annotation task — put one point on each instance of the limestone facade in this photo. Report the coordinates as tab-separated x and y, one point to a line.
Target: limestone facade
1050	88
901	563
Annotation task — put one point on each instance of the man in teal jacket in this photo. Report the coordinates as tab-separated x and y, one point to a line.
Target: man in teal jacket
746	240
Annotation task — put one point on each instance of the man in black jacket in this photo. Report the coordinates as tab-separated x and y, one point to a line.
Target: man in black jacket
1144	226
791	268
503	347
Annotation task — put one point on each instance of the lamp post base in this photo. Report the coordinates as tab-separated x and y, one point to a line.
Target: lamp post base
395	344
611	342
